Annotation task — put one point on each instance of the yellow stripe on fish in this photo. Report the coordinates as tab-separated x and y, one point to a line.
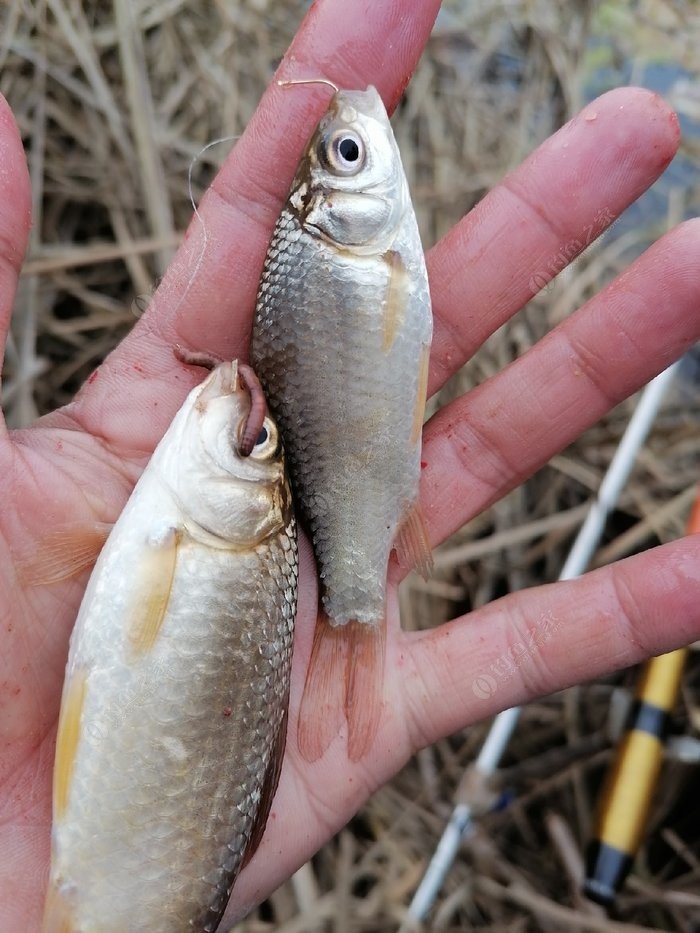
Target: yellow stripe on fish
67	740
174	711
396	298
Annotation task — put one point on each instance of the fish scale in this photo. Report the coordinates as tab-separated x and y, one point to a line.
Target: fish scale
340	340
344	401
179	740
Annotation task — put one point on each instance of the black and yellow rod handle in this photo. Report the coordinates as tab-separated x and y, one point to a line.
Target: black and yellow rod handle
630	784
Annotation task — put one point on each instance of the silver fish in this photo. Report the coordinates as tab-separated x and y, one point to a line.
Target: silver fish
174	709
341	341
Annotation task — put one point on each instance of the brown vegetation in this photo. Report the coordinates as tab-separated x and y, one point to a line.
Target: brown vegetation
111	125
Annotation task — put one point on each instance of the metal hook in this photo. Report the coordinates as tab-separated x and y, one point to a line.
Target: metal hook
309	81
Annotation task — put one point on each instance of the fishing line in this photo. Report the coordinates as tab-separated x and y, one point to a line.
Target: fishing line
200	258
195	159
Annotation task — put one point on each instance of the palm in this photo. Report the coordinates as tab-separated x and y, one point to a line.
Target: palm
80	463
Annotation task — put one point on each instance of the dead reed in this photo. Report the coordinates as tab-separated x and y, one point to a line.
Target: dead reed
112	116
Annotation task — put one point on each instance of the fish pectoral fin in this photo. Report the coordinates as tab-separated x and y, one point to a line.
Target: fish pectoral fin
412	543
156	573
322	703
364	685
64	553
269	788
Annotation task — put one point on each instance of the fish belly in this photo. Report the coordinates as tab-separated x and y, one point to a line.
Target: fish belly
339	361
174	743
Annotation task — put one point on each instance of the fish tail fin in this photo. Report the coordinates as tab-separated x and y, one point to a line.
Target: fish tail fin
321	710
364	684
345	676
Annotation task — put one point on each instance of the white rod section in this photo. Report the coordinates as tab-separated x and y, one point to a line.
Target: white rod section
496	742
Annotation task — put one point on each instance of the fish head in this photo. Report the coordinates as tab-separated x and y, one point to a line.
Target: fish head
350	187
241	499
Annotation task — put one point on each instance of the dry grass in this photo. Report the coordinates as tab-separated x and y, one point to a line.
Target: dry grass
112	116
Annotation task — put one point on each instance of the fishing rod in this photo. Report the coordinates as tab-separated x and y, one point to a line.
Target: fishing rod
461	822
629	788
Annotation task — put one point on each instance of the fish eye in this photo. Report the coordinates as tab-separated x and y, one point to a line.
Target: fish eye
267	442
348	150
343	153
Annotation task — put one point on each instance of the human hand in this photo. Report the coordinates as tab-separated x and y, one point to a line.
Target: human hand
80	463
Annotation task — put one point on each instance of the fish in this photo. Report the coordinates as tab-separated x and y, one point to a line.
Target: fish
173	716
341	342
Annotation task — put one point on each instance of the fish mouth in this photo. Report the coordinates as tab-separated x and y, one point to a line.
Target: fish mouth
368	103
223	380
231	381
223	376
227	379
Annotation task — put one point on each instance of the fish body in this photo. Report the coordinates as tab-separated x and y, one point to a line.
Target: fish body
173	715
341	339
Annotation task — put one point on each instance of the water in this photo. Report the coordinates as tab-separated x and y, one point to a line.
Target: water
681	180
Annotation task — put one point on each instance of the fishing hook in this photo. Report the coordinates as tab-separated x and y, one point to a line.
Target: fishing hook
252	426
291	81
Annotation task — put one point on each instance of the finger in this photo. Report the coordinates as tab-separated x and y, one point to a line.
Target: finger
525	645
542	216
206	299
539	641
15	213
487	442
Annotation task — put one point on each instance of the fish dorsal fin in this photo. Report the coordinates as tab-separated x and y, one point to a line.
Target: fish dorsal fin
152	592
64	553
412	543
269	788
